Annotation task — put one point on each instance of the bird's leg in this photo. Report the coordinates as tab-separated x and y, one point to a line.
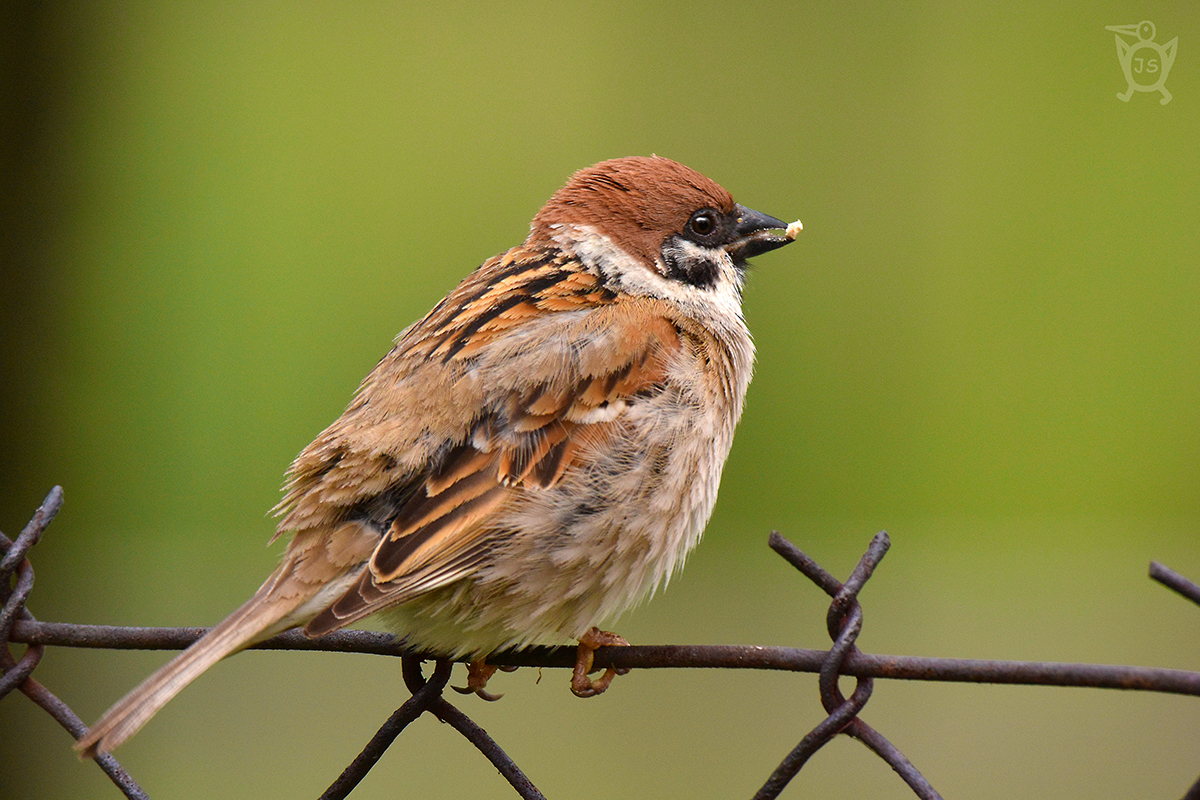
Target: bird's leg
478	674
581	684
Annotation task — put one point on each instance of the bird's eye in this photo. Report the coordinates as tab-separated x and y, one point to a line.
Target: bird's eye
702	223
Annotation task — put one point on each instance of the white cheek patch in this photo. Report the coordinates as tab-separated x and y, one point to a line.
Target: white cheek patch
718	305
693	251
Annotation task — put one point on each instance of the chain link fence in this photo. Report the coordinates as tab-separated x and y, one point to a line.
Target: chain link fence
844	621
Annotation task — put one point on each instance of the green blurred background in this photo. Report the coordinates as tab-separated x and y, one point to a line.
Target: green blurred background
986	341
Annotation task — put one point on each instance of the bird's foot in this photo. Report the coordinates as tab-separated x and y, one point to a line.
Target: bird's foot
581	684
478	674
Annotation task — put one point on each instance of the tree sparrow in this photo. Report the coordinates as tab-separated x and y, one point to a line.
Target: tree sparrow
536	455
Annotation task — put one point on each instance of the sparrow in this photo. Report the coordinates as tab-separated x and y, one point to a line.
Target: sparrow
533	457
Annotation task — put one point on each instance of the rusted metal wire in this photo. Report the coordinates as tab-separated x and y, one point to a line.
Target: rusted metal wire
844	621
1173	580
424	693
427	696
476	735
667	656
16	672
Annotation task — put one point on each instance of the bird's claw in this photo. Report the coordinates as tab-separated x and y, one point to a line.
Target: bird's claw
581	684
478	674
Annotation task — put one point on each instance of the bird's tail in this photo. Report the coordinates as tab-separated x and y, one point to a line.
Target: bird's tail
262	616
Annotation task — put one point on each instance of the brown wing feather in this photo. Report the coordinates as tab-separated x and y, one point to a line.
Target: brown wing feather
527	442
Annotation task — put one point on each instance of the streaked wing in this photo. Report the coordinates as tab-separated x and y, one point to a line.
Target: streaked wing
528	429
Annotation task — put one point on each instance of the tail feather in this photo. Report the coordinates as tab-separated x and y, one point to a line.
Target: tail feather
320	564
254	621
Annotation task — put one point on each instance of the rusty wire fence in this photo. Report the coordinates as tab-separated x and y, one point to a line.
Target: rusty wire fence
844	621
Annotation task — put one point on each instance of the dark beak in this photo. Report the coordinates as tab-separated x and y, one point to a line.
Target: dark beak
758	233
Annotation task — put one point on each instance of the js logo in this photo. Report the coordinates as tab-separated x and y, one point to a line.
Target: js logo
1144	62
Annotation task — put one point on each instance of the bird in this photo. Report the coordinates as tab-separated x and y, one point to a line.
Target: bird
536	455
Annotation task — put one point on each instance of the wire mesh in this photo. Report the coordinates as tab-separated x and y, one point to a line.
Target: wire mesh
844	621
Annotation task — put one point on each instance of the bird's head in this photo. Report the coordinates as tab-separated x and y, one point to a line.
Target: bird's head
654	216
